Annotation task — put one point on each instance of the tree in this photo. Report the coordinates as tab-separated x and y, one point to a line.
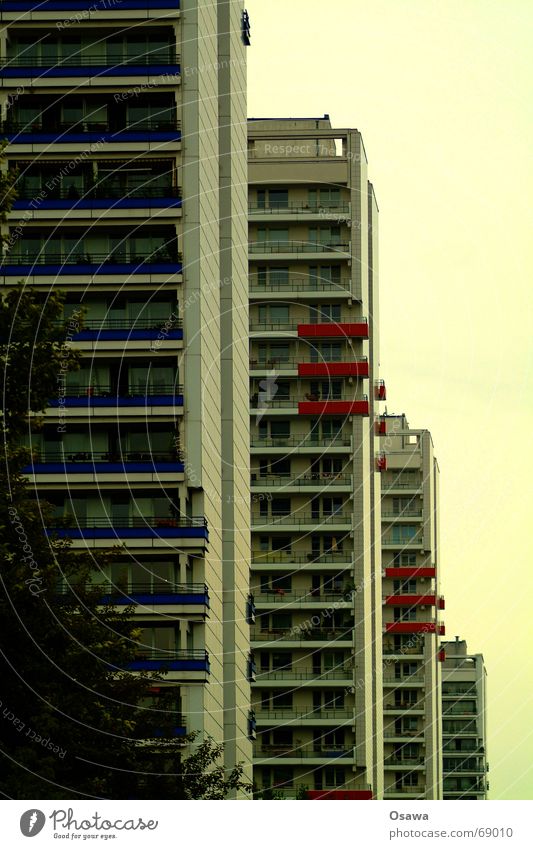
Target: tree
73	722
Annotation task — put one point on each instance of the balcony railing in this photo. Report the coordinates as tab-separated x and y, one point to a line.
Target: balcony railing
104	457
298	208
274	751
100	192
90	258
298	284
321	479
146	125
166	588
125	323
399	484
408	513
402	543
127	522
304	675
297	634
309	712
303	519
267	557
399	761
91	60
401	650
295	247
309	597
301	442
403	679
278	362
182	660
404	706
102	391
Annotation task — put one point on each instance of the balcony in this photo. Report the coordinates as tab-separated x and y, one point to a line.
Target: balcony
381	427
401	543
95	66
300	634
300	249
292	209
128	329
134	528
401	651
410	572
303	285
380	390
273	752
159	262
340	367
277	561
353	367
307	714
97	463
179	665
160	395
400	680
403	486
302	675
381	463
398	600
403	763
312	597
393	516
333	330
303	442
286	483
392	792
187	596
21	133
101	197
414	628
334	408
47	6
402	707
302	521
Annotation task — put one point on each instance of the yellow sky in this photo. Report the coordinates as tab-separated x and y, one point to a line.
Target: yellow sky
440	90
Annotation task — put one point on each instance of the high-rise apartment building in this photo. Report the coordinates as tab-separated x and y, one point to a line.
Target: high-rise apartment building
412	606
464	721
126	120
315	392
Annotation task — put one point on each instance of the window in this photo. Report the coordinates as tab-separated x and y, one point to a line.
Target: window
329	352
282	701
281	621
324	313
404	533
326	197
334	776
404	614
273	314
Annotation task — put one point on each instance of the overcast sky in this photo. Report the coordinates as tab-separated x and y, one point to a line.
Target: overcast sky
440	90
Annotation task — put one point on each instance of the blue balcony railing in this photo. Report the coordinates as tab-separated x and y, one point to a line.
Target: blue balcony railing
157	395
185	594
84	5
157	262
92	462
132	527
182	660
82	132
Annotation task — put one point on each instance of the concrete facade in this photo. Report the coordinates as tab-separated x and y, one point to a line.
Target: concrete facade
128	126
